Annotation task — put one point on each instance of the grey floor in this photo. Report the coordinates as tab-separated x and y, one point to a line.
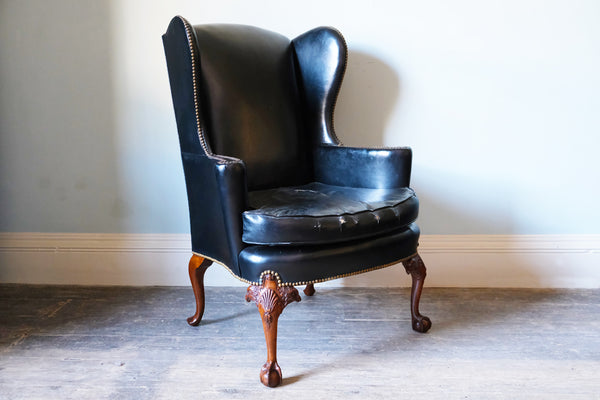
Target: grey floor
133	343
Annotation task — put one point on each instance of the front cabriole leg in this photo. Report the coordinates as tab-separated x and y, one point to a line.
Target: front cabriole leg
416	268
197	268
271	300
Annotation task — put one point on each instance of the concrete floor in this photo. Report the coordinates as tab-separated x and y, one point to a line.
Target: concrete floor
61	342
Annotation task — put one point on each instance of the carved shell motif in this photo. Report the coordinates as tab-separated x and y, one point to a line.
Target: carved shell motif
269	300
271	304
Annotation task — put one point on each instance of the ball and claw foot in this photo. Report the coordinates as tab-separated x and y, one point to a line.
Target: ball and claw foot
270	374
421	324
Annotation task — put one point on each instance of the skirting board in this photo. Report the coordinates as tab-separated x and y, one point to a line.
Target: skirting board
532	261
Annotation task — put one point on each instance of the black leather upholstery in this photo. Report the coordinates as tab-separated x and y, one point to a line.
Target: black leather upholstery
252	109
322	214
254	113
299	265
216	189
320	82
364	168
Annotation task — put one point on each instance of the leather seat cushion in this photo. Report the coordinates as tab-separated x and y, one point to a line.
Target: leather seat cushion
317	213
297	265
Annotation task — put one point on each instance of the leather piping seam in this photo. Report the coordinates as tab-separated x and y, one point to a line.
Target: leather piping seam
188	31
368	147
301	283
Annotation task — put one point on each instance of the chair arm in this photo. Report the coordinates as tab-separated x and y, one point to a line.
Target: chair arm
217	196
363	167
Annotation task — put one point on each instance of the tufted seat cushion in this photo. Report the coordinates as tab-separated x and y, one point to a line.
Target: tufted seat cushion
316	213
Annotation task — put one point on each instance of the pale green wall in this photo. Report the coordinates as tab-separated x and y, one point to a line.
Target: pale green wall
499	101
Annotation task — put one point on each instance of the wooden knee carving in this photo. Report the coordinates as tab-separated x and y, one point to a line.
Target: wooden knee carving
271	300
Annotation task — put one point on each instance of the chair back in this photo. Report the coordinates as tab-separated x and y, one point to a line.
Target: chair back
250	102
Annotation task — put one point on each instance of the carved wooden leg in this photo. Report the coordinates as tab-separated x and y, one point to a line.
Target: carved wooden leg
416	268
271	300
197	268
309	290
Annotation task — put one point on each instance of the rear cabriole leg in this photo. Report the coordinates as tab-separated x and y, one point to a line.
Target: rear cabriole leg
197	267
416	268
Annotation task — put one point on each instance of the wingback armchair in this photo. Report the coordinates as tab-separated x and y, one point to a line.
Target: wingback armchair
273	195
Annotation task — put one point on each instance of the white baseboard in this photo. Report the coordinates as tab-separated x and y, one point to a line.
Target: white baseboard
534	261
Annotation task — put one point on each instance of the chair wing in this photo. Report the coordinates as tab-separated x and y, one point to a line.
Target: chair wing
183	65
322	55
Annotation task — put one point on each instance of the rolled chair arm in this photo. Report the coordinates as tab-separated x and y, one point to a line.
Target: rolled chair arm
384	168
216	221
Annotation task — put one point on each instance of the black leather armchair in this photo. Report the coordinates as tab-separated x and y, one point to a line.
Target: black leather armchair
273	195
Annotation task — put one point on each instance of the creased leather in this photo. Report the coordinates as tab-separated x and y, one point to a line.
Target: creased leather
322	214
363	167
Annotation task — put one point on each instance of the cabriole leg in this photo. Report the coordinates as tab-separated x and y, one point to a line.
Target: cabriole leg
197	268
416	268
271	300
